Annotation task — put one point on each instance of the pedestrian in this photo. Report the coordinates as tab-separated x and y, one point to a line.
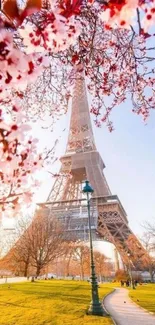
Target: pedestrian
127	283
122	283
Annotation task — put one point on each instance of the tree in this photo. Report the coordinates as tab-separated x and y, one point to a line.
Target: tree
148	240
68	262
18	161
150	227
104	51
36	37
62	264
102	265
121	275
76	259
39	244
81	255
18	257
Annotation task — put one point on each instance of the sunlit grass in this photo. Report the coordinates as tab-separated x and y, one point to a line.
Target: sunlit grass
54	302
144	295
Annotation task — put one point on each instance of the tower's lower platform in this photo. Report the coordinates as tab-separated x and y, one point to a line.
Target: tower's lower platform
108	222
73	215
105	210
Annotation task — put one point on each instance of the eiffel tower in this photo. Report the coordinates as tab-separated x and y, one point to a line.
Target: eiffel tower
82	161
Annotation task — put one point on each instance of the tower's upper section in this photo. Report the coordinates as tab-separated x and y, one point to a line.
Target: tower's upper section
81	137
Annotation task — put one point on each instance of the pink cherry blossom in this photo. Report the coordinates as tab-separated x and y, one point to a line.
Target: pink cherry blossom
107	38
55	34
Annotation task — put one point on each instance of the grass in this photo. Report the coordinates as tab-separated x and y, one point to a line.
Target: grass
144	296
54	302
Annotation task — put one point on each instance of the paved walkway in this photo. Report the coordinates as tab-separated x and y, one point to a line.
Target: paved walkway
124	311
12	280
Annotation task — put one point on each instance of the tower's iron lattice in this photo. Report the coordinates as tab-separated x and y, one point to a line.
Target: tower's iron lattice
82	161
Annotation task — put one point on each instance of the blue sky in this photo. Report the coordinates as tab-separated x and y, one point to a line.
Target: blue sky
129	155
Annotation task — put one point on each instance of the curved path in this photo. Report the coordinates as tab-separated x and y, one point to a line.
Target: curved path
12	280
124	311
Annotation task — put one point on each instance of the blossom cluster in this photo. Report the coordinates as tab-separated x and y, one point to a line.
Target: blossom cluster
19	67
149	17
18	157
119	13
16	68
55	33
118	64
123	13
75	32
18	161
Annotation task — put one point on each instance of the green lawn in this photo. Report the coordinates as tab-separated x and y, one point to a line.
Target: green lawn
54	302
144	296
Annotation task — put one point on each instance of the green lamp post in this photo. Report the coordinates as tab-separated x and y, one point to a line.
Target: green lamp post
95	305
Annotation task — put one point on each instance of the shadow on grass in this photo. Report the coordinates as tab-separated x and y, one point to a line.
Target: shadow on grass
67	298
15	305
69	292
52	290
41	291
57	296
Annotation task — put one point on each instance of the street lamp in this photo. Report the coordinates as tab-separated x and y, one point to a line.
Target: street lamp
95	305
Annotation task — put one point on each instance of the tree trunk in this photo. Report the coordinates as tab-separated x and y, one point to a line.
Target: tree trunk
82	269
68	267
26	269
38	270
151	273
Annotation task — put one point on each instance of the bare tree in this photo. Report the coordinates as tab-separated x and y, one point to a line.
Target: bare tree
148	240
150	228
76	259
103	265
45	241
67	258
82	256
40	243
18	257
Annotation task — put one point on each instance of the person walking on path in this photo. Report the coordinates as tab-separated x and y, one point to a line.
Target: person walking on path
124	311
